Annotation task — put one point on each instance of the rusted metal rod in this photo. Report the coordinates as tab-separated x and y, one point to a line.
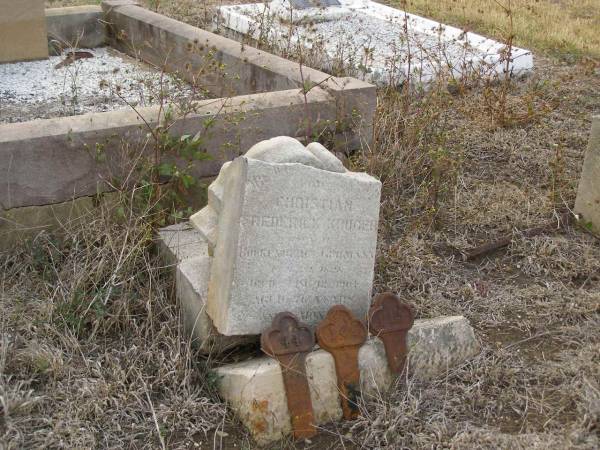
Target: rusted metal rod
289	341
342	335
390	320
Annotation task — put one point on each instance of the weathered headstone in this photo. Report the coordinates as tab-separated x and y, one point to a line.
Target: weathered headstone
22	30
588	195
292	235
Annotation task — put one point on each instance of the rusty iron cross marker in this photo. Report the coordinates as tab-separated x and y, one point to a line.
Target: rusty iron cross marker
342	335
289	341
390	320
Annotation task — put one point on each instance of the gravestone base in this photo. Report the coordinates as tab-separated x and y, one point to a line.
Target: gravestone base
255	391
185	250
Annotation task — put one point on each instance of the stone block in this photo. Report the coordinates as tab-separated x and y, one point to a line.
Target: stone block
254	389
181	242
205	221
587	204
22	30
295	238
185	249
22	224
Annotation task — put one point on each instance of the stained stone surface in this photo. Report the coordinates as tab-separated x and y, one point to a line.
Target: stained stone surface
303	4
22	30
254	389
588	195
291	237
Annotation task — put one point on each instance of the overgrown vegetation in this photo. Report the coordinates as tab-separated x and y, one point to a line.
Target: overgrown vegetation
92	354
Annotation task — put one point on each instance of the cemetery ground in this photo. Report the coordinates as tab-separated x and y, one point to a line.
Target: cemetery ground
92	353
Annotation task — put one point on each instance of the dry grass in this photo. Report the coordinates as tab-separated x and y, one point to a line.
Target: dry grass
557	27
93	355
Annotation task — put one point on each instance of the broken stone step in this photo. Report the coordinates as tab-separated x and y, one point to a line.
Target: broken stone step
255	390
206	221
185	250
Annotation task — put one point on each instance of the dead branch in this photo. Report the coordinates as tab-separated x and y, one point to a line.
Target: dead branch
563	220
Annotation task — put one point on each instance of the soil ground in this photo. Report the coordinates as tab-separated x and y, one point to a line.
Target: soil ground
92	354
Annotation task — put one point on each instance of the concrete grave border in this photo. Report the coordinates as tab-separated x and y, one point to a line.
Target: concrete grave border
244	22
53	161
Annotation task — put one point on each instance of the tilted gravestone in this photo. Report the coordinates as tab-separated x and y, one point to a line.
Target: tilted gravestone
22	30
588	195
290	230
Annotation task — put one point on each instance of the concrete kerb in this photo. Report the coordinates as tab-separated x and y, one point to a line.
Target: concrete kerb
55	160
77	26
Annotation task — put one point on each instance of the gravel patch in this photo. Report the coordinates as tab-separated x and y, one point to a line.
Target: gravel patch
109	80
375	42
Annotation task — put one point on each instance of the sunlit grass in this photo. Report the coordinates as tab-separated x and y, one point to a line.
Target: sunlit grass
555	27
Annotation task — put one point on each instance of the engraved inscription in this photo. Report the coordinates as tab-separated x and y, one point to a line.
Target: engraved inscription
303	240
296	253
315	203
310	223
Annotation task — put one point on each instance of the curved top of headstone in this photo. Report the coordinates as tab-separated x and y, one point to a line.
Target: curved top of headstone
285	149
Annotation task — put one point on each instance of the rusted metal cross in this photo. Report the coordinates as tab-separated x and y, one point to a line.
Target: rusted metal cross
289	341
342	335
390	320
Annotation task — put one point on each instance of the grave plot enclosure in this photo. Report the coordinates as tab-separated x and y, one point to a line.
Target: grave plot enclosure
255	96
372	41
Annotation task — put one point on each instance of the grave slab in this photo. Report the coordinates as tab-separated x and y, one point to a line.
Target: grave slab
291	237
22	30
372	41
255	390
588	195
